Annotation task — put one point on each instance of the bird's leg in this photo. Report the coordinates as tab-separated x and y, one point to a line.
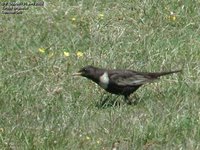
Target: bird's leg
127	100
136	99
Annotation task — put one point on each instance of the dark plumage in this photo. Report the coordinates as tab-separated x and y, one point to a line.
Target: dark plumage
120	82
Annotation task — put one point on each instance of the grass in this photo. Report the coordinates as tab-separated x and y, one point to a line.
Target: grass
43	107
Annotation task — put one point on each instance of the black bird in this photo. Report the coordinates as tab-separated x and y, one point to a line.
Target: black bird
120	82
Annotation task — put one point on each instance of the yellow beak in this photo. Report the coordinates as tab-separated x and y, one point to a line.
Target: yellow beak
77	74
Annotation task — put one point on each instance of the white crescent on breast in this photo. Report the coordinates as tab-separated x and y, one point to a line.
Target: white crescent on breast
104	80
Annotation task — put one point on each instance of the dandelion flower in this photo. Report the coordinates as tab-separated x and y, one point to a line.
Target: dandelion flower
79	54
87	137
73	19
172	16
101	16
66	54
41	50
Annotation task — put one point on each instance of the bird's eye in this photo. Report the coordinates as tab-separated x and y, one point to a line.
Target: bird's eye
85	70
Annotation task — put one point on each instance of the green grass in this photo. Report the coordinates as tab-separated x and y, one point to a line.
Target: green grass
43	107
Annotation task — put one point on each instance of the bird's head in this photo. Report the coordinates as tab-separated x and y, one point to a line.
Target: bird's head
88	72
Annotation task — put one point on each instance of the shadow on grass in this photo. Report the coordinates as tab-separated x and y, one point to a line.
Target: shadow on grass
107	102
111	101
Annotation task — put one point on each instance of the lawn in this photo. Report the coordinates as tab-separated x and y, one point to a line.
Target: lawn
42	106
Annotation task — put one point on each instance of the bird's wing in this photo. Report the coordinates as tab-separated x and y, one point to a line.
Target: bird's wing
130	79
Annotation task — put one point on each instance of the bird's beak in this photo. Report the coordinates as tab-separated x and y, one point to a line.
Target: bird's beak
77	74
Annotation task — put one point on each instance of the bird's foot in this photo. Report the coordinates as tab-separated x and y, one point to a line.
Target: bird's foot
130	102
108	101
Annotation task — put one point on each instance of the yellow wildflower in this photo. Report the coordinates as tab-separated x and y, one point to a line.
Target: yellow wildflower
172	16
101	16
73	19
98	142
41	50
79	54
87	137
66	54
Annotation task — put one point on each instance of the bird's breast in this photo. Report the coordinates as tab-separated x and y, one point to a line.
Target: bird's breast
104	80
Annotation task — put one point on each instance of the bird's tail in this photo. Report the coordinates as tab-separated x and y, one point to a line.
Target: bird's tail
158	74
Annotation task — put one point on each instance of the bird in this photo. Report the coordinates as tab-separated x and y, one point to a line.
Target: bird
119	81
